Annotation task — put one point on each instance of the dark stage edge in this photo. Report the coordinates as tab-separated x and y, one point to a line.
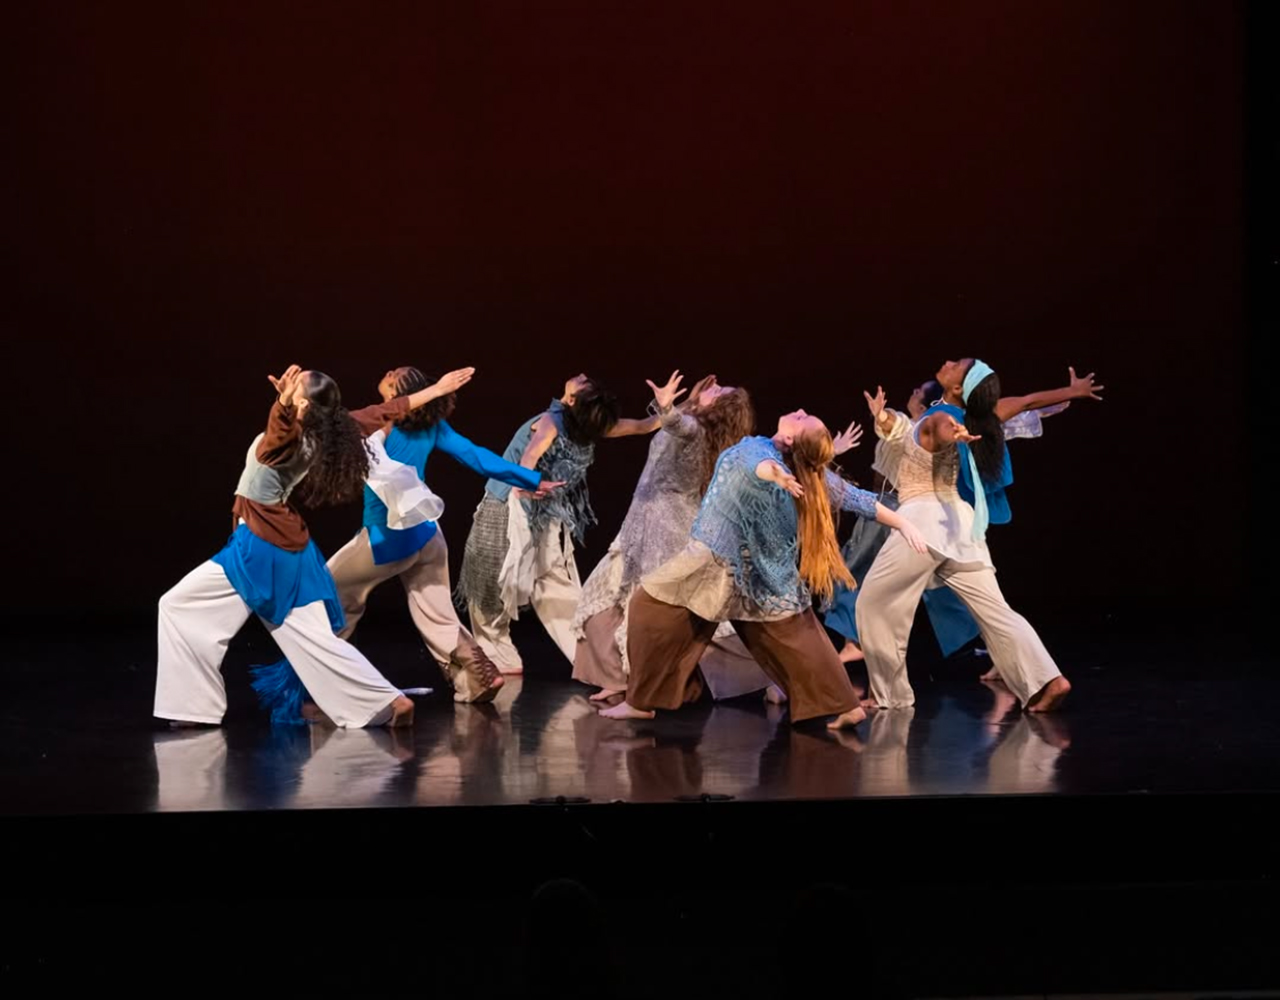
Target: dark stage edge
1127	846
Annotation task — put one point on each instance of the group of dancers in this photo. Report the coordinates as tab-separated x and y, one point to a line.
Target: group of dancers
710	583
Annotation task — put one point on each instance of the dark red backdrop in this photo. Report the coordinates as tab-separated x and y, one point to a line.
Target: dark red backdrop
804	198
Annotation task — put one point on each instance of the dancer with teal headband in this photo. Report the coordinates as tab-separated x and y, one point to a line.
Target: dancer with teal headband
935	451
1019	417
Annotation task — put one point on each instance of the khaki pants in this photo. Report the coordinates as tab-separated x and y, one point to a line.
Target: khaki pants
887	607
425	577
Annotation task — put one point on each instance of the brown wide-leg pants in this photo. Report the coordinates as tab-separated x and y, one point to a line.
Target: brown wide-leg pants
666	641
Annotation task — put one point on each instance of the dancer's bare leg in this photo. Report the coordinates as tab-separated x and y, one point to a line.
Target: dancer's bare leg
851	652
774	695
624	710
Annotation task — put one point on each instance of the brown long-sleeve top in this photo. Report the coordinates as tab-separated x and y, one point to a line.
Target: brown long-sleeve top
278	460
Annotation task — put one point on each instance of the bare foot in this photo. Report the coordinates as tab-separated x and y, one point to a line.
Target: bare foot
401	713
774	695
312	713
850	719
870	705
991	676
851	652
605	694
624	710
1050	697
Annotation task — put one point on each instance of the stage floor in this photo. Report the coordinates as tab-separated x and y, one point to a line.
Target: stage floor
998	842
76	738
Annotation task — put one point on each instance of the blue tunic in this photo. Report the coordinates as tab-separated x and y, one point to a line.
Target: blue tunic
273	581
751	525
413	448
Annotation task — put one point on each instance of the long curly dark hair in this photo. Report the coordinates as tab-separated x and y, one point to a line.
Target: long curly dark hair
410	380
981	419
724	423
340	454
592	413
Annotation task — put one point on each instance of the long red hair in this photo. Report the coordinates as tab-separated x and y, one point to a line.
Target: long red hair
821	565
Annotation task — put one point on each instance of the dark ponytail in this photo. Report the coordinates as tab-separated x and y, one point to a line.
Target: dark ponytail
340	455
980	418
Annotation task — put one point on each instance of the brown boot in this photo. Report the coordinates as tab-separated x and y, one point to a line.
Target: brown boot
474	676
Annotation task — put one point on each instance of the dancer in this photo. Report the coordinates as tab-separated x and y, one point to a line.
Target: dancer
272	568
957	553
953	626
769	501
681	460
401	538
418	555
519	552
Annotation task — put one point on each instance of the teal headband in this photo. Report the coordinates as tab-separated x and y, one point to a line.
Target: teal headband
977	372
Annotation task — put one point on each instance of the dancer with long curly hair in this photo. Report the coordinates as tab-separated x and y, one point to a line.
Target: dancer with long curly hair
271	567
682	458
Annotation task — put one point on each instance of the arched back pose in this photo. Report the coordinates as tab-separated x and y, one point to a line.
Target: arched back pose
929	497
681	460
417	554
272	568
519	552
1021	417
762	546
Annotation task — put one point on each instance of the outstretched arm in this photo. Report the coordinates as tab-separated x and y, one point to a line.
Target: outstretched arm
1077	388
451	382
627	426
371	419
483	461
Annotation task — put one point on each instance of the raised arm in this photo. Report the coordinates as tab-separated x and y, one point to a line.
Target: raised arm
889	424
1077	388
671	418
370	419
284	429
451	382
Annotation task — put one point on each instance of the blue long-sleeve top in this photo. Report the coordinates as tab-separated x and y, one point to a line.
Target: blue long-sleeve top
751	525
413	448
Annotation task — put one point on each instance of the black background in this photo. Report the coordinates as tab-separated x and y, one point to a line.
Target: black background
807	199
